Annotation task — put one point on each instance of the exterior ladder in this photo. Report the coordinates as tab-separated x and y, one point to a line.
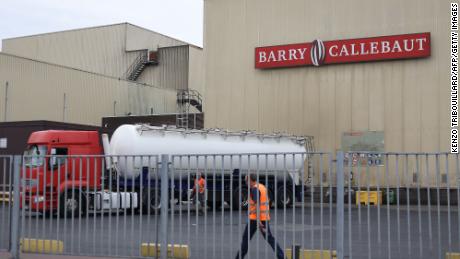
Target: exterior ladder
186	100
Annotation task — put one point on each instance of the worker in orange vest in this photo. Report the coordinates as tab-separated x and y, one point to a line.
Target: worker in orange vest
200	185
259	217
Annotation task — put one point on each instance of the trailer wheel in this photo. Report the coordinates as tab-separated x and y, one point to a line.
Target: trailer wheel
240	202
151	202
214	204
282	199
48	214
72	204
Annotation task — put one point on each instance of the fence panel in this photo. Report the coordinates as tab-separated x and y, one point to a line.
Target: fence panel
390	205
213	223
6	183
401	205
75	205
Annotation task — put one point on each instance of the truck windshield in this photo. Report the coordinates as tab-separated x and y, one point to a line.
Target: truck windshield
35	155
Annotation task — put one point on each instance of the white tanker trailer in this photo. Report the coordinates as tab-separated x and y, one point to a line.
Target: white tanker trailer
140	140
224	157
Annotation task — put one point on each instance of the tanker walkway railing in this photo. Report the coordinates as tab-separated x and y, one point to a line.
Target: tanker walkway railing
348	205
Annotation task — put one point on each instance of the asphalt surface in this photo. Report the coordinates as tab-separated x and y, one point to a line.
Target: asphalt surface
371	233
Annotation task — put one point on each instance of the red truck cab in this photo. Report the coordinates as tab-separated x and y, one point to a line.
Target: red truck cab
57	162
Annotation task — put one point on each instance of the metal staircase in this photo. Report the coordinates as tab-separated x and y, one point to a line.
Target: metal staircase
186	100
144	59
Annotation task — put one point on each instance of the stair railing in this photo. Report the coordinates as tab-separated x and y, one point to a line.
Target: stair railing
140	59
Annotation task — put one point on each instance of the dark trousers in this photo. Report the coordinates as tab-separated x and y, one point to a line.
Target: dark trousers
267	236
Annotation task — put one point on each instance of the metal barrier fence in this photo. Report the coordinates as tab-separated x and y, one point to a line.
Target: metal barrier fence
415	211
6	165
352	205
87	208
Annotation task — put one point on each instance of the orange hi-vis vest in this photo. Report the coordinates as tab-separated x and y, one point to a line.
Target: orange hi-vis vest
264	206
200	183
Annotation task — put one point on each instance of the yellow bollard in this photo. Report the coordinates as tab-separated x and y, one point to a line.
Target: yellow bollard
176	251
41	246
312	254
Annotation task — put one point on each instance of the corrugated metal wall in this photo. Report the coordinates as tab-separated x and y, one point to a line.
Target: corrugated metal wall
407	100
172	70
174	67
99	49
36	91
196	69
139	38
108	50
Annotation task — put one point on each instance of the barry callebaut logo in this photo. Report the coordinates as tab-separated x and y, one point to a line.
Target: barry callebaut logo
317	53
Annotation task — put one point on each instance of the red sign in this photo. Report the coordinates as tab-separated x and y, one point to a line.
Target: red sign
317	53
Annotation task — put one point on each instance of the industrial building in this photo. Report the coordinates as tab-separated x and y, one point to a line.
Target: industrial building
407	100
82	75
367	82
263	74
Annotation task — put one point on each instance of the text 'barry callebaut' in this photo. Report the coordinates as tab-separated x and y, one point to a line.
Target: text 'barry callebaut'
416	45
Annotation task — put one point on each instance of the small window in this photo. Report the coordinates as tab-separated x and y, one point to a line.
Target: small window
61	151
3	142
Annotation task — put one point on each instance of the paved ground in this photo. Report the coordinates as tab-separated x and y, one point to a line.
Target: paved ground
218	235
6	255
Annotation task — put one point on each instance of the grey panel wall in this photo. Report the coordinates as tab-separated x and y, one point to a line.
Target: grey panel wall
37	89
172	71
99	49
139	38
408	100
196	70
174	67
108	50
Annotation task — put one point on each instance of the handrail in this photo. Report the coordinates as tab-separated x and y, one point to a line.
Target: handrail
189	95
184	101
141	58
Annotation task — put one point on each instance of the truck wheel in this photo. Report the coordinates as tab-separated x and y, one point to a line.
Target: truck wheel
211	204
240	202
282	199
48	214
72	204
151	202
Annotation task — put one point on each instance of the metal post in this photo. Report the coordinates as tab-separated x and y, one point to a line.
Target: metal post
296	251
14	246
340	201
164	206
114	108
194	120
64	108
6	102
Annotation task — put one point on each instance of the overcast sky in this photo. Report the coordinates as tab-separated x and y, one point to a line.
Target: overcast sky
181	19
